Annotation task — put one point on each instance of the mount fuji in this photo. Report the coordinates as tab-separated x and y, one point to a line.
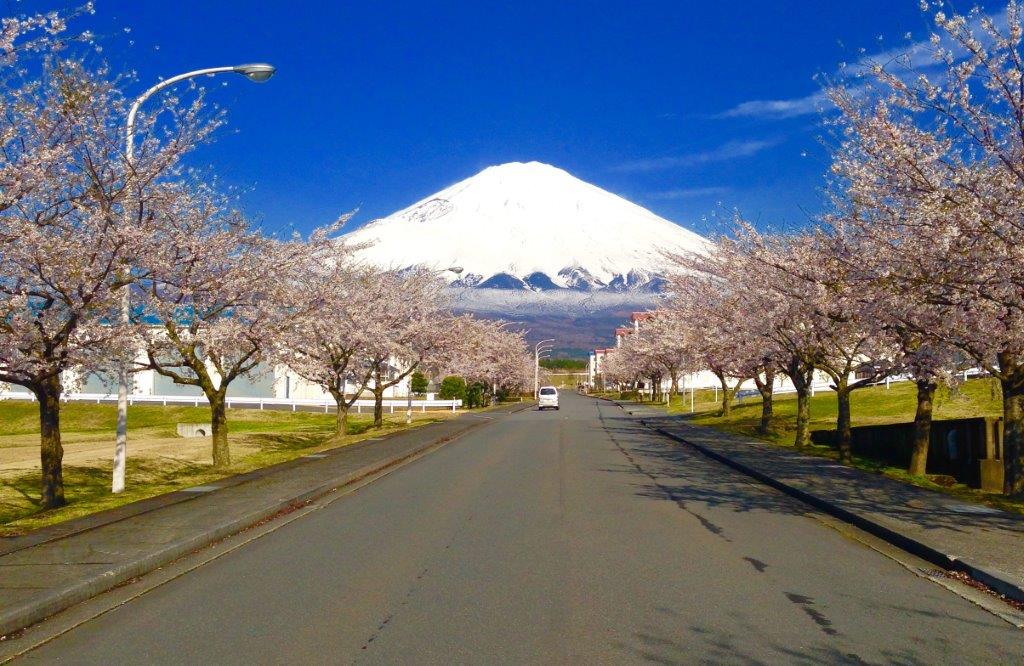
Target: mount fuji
537	245
530	227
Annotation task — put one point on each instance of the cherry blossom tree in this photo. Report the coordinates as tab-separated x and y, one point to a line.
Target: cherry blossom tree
931	170
214	298
629	364
927	361
325	337
661	339
716	348
486	351
618	369
65	191
411	322
713	322
745	306
854	347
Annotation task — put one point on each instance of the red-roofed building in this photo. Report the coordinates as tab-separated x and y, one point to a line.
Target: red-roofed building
638	317
620	334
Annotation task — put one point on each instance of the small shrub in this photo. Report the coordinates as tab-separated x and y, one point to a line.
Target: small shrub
452	388
476	395
418	383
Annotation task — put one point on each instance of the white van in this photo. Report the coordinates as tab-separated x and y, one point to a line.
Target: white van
548	397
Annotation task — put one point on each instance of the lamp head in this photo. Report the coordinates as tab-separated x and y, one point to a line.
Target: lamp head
256	72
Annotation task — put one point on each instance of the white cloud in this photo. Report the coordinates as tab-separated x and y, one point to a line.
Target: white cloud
912	57
724	153
778	108
687	193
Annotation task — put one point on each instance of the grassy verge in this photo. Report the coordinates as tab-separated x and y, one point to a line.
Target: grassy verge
870	406
158	461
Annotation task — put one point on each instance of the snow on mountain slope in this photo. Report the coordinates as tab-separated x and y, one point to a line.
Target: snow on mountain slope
528	226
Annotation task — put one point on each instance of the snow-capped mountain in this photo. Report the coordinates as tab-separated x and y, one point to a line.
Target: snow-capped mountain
532	227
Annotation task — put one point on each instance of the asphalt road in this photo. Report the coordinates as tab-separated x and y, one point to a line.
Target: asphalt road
550	537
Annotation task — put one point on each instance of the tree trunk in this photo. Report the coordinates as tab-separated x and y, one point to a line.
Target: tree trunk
673	388
378	407
1013	426
219	423
767	390
922	427
340	412
341	427
51	452
843	433
803	416
801	374
726	401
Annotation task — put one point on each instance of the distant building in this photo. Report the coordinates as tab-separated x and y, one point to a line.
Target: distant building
620	335
595	367
638	317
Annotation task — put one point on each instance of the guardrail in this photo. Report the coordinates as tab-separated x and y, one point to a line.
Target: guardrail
327	404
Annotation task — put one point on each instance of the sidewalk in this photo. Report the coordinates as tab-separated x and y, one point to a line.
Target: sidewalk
49	570
986	543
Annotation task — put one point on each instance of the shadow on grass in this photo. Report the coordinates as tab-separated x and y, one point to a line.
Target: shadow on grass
359	427
287	442
87	488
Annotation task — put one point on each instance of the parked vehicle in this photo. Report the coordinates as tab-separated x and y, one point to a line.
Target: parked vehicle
548	398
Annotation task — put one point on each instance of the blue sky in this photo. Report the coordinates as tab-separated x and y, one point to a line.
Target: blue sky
680	106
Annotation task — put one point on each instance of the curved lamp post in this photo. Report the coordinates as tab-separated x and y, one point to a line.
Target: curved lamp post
255	72
540	347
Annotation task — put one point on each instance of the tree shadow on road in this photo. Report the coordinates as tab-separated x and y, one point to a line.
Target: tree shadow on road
682	475
704	645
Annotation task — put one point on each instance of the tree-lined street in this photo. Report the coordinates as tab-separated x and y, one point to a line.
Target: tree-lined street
224	295
571	536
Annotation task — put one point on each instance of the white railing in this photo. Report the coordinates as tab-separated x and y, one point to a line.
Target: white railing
327	404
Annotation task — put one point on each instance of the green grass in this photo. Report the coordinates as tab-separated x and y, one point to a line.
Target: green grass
869	406
269	437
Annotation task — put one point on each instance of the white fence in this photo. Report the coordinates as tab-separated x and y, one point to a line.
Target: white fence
253	403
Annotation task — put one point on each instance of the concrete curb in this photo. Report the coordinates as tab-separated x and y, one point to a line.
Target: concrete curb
24	615
997	580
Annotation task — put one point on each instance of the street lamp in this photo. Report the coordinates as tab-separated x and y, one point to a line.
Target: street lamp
255	72
408	393
537	349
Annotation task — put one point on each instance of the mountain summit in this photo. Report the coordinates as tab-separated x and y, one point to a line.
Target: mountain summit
529	226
